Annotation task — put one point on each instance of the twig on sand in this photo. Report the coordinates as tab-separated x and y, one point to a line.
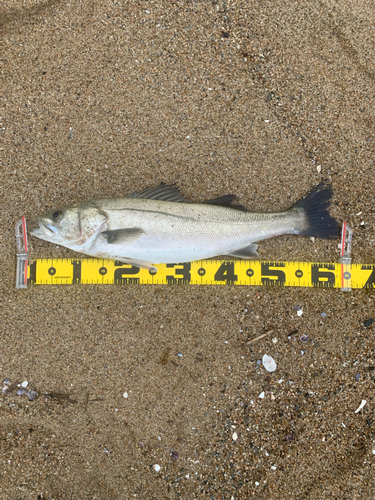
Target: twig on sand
256	338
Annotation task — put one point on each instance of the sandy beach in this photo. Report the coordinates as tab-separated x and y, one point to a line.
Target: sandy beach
153	392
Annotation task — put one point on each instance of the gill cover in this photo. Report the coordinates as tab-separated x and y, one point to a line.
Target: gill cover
91	222
77	226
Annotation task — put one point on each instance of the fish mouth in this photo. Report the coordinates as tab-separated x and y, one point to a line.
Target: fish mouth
45	231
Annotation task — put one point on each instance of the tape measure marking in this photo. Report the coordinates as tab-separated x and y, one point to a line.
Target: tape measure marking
203	272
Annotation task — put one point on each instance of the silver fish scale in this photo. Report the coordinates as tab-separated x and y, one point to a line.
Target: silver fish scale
196	219
186	232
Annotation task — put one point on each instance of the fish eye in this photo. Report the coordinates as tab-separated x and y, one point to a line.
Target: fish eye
56	216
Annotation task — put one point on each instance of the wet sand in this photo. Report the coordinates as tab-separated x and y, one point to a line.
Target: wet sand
260	99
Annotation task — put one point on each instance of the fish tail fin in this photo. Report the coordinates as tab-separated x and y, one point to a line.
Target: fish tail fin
317	220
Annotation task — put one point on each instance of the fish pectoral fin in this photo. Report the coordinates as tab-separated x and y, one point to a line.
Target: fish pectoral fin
88	242
246	252
121	236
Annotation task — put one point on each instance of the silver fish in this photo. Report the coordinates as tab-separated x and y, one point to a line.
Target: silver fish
158	225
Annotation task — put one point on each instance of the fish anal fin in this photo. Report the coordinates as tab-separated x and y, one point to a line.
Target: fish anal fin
246	252
122	236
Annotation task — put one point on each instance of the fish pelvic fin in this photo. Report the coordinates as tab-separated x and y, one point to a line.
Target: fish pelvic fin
317	220
141	264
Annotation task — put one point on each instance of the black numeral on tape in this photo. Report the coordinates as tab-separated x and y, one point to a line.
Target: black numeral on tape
272	276
370	283
122	273
226	273
182	276
77	265
322	275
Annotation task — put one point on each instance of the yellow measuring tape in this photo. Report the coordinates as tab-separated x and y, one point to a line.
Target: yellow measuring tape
203	272
343	274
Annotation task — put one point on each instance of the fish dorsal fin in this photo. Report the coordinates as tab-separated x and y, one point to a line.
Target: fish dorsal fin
226	201
162	192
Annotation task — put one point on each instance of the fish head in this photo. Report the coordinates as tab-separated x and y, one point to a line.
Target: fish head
72	227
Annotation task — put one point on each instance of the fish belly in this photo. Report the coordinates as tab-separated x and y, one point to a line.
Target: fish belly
170	248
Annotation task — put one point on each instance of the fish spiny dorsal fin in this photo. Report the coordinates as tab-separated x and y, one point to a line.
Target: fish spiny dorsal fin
162	192
226	201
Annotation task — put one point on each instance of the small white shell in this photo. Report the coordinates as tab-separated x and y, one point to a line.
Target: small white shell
156	467
363	403
269	363
234	436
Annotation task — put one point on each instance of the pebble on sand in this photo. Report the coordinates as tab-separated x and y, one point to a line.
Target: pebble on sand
31	395
156	467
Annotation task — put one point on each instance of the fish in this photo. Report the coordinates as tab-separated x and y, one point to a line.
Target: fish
158	225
